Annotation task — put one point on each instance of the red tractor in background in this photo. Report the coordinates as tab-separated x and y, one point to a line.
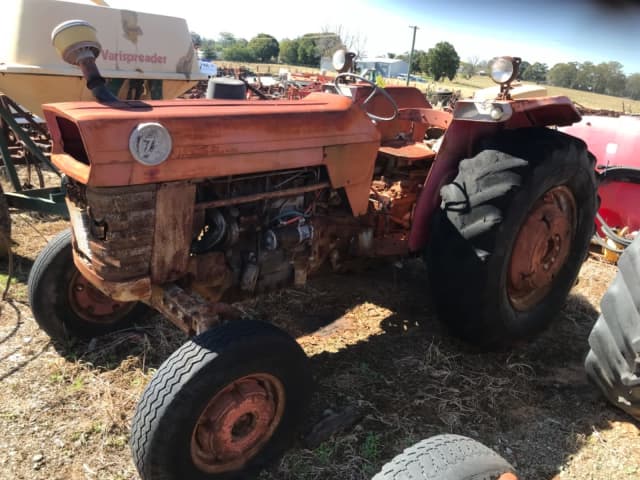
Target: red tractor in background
615	142
183	206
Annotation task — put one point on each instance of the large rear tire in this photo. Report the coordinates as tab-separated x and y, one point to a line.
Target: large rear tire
447	457
511	235
65	305
222	405
612	363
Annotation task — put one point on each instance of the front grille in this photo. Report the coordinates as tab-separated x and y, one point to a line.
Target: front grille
114	230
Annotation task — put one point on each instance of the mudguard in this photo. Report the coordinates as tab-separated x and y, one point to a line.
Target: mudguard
462	139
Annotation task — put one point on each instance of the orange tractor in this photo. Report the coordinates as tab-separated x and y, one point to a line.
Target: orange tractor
182	206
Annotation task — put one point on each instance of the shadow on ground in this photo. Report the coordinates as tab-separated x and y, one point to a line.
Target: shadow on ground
377	348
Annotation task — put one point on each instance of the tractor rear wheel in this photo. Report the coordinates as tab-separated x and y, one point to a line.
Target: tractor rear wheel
510	237
65	305
447	457
222	405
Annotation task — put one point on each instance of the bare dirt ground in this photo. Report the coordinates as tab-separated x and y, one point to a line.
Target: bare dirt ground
377	350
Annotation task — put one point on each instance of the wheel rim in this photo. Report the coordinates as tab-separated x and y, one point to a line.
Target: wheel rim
92	305
237	422
542	247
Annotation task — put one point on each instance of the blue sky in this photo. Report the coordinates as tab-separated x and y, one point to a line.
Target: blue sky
536	30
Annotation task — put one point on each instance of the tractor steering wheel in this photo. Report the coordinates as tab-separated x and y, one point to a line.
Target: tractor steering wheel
376	90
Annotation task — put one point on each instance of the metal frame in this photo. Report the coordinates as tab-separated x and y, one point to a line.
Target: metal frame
46	200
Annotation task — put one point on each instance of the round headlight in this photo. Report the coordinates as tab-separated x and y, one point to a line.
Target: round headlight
150	143
503	70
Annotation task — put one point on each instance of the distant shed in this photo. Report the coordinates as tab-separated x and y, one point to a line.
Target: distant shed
387	67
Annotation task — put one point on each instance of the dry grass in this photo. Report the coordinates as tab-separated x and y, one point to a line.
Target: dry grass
375	346
467	87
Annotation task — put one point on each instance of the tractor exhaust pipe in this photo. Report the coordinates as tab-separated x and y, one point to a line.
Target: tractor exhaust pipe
77	44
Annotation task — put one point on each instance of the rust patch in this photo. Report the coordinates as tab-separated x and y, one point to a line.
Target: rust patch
129	291
189	311
92	305
351	167
114	231
542	247
173	230
427	116
130	28
237	423
211	275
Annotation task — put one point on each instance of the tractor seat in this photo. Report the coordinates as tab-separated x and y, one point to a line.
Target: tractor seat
416	121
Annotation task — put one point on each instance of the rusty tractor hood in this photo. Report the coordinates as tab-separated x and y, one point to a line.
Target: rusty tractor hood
210	138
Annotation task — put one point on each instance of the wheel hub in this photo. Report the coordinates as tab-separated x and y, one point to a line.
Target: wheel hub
542	247
91	304
236	423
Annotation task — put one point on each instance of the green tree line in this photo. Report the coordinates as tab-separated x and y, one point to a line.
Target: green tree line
304	50
441	61
261	48
606	77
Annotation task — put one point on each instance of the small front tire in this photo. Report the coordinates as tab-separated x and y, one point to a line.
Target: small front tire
65	305
221	406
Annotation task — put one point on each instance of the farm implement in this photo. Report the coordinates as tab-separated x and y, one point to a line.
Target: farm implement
31	73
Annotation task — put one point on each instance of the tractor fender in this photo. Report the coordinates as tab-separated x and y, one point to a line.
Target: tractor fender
462	140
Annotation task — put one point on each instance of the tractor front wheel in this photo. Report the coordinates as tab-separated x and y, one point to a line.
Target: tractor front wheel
65	305
513	230
222	405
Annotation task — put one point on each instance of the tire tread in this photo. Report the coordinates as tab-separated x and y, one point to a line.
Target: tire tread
613	361
475	229
444	457
178	370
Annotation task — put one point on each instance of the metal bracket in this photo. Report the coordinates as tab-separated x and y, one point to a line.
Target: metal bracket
188	310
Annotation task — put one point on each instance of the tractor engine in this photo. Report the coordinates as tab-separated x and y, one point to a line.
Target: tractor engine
251	232
248	233
266	239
